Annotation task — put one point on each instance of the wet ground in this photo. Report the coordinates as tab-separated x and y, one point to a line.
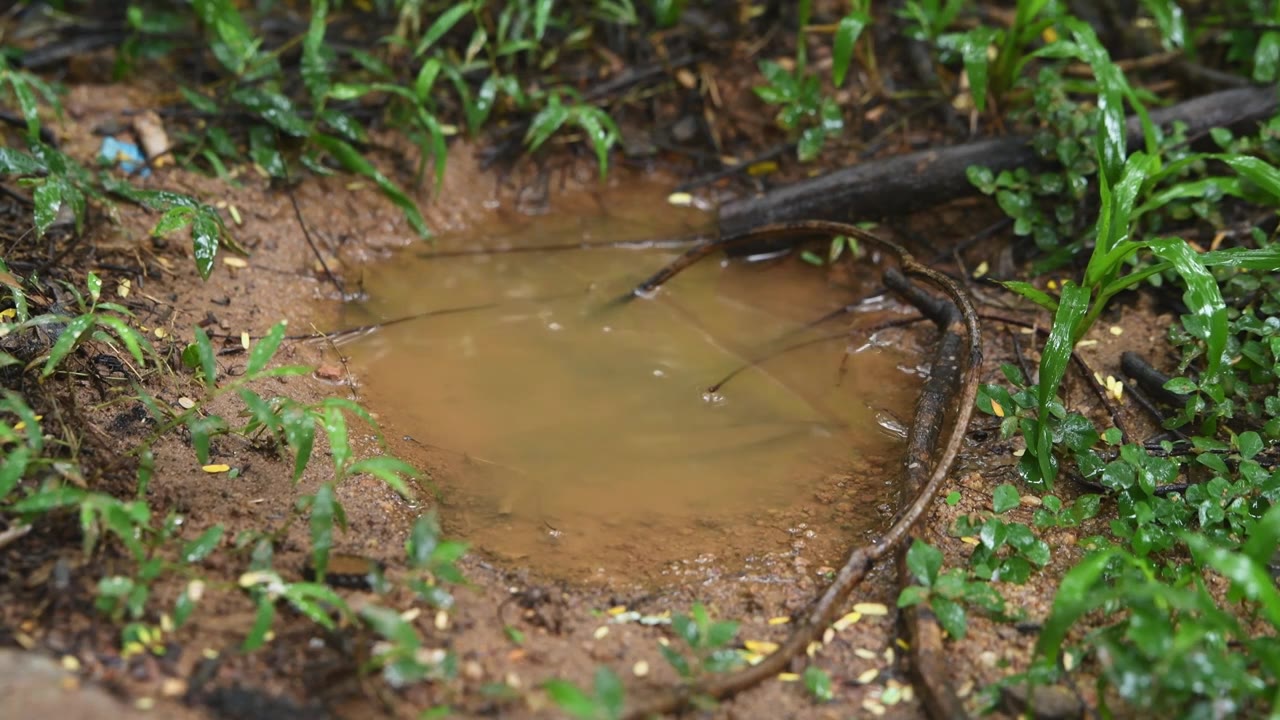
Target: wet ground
531	437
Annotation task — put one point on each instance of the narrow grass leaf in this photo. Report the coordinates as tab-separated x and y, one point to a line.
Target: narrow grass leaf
442	25
1076	596
205	233
206	357
569	698
322	517
67	341
389	470
265	615
353	161
335	428
129	336
847	34
201	547
1202	297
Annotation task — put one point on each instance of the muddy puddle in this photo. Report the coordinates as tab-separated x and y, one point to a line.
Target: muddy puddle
573	434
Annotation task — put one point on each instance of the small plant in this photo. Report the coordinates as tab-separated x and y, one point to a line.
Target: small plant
707	641
946	593
1006	551
605	702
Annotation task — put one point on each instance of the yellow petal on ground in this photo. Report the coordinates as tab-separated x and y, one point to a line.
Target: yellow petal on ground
846	620
244	340
763	647
640	669
871	608
235	214
865	654
616	610
161	333
868	675
8	314
680	199
235	262
814	647
982	269
780	620
969	540
997	408
123	287
788	677
1116	330
216	468
600	632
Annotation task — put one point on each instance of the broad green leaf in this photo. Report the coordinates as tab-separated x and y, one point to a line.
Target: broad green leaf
951	616
847	33
262	620
1072	305
299	432
550	119
818	682
924	562
67	341
265	349
568	697
27	103
1005	498
316	601
542	13
205	234
609	691
973	51
16	162
47	199
1266	57
12	467
175	218
389	624
278	110
201	547
1258	171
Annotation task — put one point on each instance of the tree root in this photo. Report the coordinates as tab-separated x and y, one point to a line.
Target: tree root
950	390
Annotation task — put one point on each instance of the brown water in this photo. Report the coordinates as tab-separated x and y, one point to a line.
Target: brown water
573	434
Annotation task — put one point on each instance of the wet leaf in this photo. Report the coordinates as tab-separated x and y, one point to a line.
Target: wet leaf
205	233
609	691
16	162
175	218
924	561
132	340
322	518
1202	297
67	341
569	698
204	355
1266	58
951	616
389	470
847	33
27	103
12	468
1005	498
550	119
265	348
264	151
809	146
973	51
353	161
262	620
818	682
278	110
442	25
48	201
315	69
299	432
335	428
1247	575
199	549
48	499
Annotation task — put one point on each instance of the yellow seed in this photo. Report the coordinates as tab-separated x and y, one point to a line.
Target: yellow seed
244	339
969	540
865	654
123	287
1116	330
640	669
814	647
616	610
873	707
161	333
846	620
781	620
871	609
680	199
70	663
144	703
601	632
981	270
442	620
235	262
868	675
764	647
788	677
235	214
216	468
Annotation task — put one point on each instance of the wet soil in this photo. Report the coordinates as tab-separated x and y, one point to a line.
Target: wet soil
761	573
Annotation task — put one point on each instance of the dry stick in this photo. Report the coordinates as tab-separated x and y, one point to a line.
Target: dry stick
918	474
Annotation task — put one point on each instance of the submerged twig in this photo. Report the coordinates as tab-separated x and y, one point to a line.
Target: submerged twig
660	244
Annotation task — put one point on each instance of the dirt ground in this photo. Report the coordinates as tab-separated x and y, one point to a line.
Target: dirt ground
46	585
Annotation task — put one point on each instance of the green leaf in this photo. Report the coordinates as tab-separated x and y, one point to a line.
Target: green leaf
48	499
847	33
951	616
299	432
201	103
1266	58
818	682
132	340
27	102
924	561
973	51
1005	498
315	71
262	620
265	349
389	470
1202	297
1246	574
550	119
205	233
1032	293
1076	596
48	201
175	218
569	698
1072	306
12	469
278	110
335	427
199	549
810	143
442	25
542	13
609	692
323	510
16	162
353	161
67	341
204	354
1258	171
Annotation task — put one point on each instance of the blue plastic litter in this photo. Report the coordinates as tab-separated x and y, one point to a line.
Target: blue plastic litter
125	154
